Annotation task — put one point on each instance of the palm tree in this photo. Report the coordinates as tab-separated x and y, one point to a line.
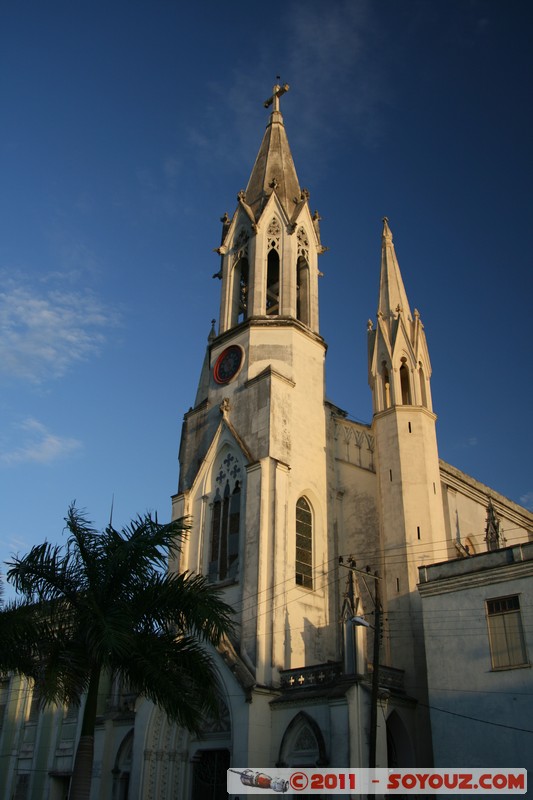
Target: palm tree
104	602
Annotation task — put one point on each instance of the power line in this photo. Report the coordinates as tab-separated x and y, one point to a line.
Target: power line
476	719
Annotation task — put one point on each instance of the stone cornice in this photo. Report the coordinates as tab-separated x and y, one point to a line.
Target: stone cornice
474	580
269	372
480	493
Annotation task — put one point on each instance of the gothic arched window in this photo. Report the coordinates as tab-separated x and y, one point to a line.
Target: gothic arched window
303	743
386	385
272	289
273	267
239	307
405	383
423	389
303	312
304	544
302	291
225	522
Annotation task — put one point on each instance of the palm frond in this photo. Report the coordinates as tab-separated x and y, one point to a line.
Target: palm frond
178	675
105	601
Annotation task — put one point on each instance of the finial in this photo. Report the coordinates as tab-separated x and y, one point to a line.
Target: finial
277	92
386	230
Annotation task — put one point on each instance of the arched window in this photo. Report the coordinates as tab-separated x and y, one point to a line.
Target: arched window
225	521
405	384
304	544
303	743
272	289
423	389
302	291
303	311
239	306
386	385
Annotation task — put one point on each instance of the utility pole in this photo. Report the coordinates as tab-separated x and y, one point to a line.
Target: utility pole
375	676
375	656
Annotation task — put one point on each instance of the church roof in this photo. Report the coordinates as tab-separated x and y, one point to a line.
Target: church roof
274	168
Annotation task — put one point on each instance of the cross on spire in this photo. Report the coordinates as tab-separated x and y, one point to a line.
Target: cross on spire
277	92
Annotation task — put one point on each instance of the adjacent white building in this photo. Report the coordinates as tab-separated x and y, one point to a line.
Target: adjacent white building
478	626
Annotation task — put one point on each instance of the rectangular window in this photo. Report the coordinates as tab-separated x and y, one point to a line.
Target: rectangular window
506	637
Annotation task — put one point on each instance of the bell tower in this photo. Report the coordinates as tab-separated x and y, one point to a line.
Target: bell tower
253	475
412	530
269	249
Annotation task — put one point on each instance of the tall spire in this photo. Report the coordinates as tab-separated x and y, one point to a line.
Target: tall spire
274	168
392	295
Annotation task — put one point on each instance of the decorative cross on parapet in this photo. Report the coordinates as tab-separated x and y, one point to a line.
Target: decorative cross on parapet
277	92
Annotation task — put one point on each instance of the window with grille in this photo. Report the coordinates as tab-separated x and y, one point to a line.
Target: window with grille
304	544
506	637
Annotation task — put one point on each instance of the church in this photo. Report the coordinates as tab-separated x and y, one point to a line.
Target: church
341	546
312	526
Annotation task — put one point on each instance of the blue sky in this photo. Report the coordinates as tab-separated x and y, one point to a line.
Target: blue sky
127	129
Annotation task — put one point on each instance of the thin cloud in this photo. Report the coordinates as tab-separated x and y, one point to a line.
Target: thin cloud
527	500
327	53
43	331
332	59
39	445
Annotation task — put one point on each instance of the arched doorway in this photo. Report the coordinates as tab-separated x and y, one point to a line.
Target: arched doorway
399	748
122	768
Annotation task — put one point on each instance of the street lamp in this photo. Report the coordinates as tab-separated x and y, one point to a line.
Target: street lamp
375	685
357	620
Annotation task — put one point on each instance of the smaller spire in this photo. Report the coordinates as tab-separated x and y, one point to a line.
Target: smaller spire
392	294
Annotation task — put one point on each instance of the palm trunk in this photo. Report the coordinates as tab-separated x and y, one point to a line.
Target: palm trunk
80	783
